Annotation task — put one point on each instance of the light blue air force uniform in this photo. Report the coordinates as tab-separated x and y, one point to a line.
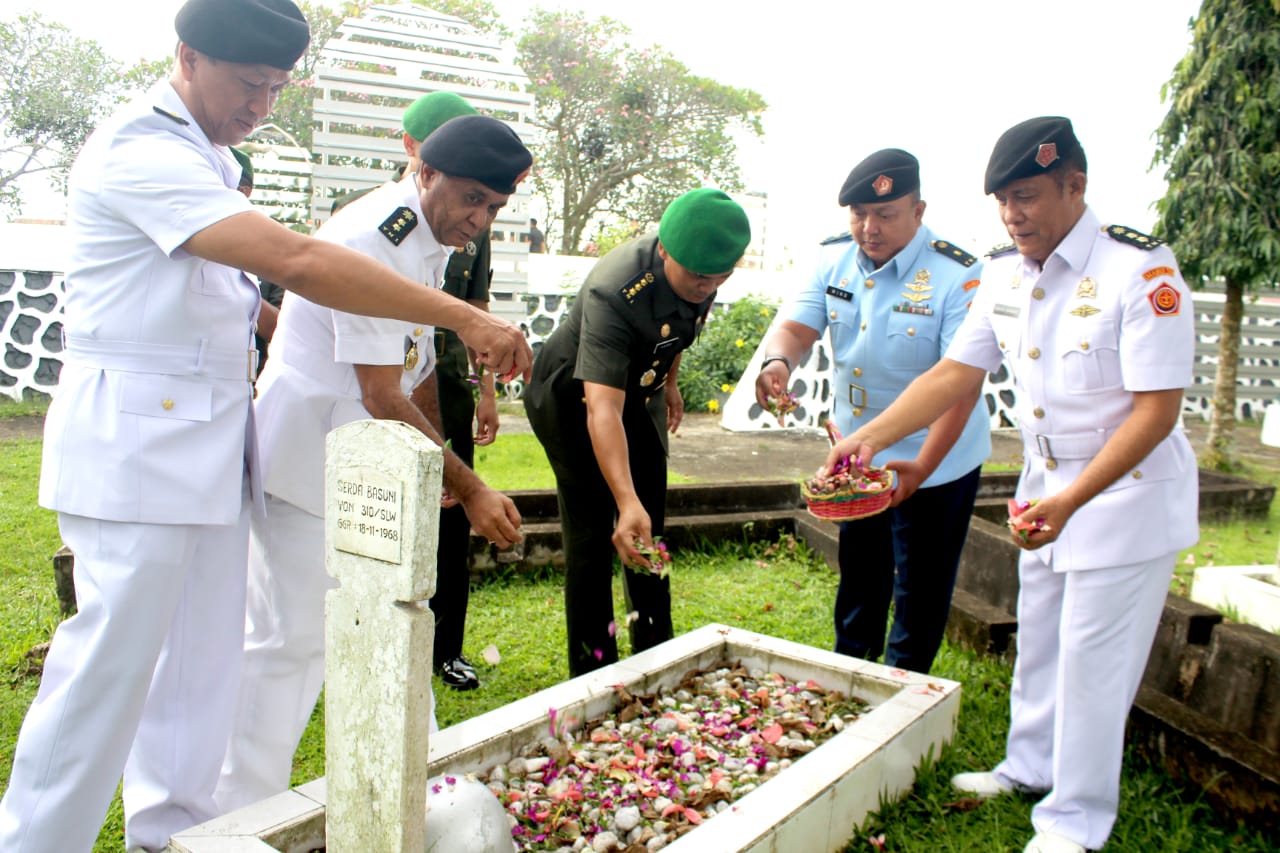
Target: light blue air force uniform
888	326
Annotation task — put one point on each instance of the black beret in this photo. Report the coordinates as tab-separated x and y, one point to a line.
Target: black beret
480	148
249	32
887	174
1031	148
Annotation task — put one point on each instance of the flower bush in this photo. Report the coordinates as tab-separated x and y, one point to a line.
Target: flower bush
714	364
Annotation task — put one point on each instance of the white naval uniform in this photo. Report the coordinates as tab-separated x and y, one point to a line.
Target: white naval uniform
145	455
308	388
1104	319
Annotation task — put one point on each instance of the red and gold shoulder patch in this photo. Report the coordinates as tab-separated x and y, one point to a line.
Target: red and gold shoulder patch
972	283
1165	300
1156	272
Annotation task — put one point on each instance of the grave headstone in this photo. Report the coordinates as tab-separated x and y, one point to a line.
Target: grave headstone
382	502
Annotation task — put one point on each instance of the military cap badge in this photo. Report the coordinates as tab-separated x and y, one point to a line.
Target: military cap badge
1047	153
882	185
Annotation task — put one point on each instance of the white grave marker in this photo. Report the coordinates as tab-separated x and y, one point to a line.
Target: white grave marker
382	509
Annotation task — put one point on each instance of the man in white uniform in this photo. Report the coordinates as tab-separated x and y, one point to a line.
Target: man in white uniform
327	368
1095	324
148	440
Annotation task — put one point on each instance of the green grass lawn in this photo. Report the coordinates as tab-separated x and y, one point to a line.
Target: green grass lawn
783	592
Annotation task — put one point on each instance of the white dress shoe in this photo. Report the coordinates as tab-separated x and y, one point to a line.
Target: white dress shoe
982	785
1049	842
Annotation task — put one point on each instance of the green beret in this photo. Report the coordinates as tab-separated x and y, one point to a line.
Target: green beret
246	167
705	231
430	111
249	32
887	174
478	147
1034	147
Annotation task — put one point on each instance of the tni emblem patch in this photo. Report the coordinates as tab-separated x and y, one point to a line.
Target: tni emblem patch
1165	300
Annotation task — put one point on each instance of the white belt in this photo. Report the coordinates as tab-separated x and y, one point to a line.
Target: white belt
166	359
1074	445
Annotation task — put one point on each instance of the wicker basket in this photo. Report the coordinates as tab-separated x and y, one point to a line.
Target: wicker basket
848	503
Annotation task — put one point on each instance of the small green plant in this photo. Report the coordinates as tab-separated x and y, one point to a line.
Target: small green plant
712	367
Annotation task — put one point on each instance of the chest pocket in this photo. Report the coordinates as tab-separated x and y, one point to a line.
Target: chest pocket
1090	354
842	320
911	341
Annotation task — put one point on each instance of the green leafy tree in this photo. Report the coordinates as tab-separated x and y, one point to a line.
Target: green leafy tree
1220	144
711	368
57	87
626	130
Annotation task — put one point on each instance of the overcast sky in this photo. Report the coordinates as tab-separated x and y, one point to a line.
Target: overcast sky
843	79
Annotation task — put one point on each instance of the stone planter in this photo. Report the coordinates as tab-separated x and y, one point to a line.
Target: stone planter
817	809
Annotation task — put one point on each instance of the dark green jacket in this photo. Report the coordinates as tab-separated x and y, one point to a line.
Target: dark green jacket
625	329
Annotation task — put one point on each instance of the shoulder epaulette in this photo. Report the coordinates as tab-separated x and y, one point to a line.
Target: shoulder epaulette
398	225
179	119
1001	249
632	289
955	253
837	238
1133	238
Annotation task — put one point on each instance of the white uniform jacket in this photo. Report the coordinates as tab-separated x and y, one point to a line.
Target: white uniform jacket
309	384
150	418
1108	316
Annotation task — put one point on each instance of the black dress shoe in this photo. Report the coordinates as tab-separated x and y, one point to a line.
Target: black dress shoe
459	674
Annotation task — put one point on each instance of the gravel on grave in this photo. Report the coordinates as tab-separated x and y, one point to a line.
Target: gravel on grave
662	764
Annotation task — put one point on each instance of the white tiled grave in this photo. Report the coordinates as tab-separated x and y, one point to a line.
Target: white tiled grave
1246	593
814	808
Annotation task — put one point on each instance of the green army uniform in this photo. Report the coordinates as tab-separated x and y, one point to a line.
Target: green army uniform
466	277
625	329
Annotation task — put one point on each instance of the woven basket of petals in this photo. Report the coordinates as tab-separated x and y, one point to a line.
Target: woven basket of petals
849	492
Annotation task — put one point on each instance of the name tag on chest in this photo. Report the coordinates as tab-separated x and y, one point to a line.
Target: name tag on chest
1006	310
839	294
670	345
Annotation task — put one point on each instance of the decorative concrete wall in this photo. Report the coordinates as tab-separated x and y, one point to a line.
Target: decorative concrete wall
31	329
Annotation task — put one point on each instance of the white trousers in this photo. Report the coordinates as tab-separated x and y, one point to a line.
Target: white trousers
140	680
1083	642
283	667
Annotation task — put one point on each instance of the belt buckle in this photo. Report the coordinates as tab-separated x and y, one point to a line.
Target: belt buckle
1046	450
252	367
855	403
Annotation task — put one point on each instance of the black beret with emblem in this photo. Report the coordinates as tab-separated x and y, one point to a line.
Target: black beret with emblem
478	147
887	174
1034	147
249	32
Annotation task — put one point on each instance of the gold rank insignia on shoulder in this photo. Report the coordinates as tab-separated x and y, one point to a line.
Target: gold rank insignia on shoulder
955	253
1134	238
1087	289
411	356
398	225
633	288
1084	311
179	119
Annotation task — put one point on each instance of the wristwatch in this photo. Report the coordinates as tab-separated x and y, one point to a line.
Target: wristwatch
772	358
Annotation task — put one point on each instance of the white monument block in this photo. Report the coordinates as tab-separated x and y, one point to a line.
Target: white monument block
382	509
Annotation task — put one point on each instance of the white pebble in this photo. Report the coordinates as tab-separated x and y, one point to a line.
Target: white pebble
664	726
660	805
605	842
656	844
627	818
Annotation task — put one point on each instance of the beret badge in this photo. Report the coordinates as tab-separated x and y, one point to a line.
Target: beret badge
882	185
1047	154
